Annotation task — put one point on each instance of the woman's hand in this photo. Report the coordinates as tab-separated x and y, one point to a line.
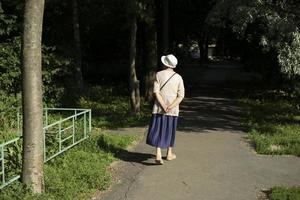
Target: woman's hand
165	107
174	104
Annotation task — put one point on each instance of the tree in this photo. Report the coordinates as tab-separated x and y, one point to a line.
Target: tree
32	168
77	44
166	24
151	49
134	84
150	60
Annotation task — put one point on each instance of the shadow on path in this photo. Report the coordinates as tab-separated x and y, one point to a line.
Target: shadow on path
212	161
210	107
210	104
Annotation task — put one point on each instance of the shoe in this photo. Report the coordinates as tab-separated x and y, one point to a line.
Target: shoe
159	162
171	157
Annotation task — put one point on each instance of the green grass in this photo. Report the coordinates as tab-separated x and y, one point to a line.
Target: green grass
273	126
82	170
283	193
79	172
111	108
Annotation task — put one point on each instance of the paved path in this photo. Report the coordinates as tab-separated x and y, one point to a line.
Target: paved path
214	159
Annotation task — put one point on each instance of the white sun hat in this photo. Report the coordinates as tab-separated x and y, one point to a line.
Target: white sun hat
169	60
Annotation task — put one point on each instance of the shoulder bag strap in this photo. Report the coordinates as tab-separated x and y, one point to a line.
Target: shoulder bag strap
166	82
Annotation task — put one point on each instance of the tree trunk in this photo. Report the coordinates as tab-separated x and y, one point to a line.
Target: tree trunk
203	47
134	82
77	44
33	162
151	59
166	27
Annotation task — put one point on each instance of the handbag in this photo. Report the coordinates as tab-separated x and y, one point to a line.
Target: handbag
153	98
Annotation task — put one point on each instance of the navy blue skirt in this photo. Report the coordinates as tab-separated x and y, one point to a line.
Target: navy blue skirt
162	130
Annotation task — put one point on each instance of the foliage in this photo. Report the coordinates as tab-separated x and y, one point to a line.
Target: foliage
56	69
13	159
289	56
8	22
77	174
111	108
284	193
268	31
9	109
10	65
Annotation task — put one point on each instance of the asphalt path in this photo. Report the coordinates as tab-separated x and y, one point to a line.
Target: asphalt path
215	161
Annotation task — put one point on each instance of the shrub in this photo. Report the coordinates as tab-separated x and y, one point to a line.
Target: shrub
289	56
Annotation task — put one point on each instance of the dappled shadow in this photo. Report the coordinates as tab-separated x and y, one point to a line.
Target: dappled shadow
211	105
205	113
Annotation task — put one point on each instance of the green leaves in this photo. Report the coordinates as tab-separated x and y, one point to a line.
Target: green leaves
289	56
8	23
269	30
10	62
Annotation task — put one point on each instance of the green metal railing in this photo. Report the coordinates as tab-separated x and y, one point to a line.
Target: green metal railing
67	129
63	129
6	180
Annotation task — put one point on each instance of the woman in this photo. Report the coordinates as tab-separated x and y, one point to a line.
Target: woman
169	92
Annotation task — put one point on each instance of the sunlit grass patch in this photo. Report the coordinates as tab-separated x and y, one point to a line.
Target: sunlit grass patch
273	126
79	172
283	193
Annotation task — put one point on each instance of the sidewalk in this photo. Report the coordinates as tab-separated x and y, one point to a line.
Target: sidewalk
214	159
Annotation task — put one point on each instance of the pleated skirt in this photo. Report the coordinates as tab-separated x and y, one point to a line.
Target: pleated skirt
162	131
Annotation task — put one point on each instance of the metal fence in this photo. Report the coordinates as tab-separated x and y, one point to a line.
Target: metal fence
63	129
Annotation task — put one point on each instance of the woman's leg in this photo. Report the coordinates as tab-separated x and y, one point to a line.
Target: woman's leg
170	154
158	159
158	153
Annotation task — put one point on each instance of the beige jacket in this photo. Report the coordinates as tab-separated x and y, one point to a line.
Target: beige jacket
170	91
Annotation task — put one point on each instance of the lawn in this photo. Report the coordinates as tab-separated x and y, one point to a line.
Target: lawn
283	193
80	172
273	126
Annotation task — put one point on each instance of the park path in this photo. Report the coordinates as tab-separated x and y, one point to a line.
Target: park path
214	159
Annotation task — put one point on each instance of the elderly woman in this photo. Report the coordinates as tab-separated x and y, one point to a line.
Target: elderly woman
169	92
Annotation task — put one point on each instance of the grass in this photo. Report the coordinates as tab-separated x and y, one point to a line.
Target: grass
79	172
82	170
111	108
283	193
274	126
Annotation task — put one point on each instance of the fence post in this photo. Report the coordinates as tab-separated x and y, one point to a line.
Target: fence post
2	165
90	121
84	124
59	133
73	120
44	132
18	121
46	117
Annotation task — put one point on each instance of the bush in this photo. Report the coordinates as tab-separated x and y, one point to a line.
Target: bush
111	109
9	108
55	71
289	57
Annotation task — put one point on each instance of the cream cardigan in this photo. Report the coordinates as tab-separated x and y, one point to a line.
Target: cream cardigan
173	89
